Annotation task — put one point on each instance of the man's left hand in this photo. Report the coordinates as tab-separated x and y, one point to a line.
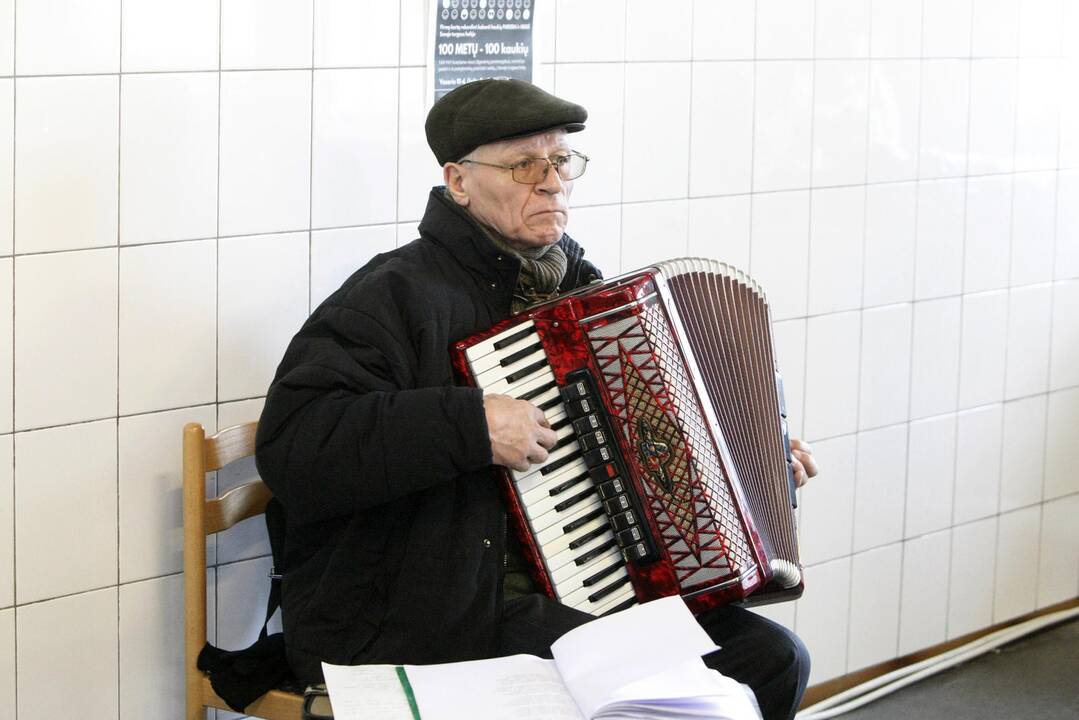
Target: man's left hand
802	462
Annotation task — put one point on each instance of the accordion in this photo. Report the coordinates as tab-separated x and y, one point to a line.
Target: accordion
672	469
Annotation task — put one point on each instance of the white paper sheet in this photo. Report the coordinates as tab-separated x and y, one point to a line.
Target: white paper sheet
362	692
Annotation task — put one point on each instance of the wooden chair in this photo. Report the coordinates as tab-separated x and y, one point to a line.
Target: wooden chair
203	517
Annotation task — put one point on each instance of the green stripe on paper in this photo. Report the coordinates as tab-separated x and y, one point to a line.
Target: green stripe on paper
407	687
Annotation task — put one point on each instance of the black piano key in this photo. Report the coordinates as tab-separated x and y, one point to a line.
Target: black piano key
595	552
562	461
583	520
520	354
562	442
574	499
526	371
596	577
553	402
514	338
564	486
607	590
628	603
561	424
536	392
587	537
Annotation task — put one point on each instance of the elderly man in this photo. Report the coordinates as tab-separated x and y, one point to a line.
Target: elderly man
397	548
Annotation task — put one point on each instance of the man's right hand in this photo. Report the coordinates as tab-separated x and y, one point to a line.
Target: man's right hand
520	435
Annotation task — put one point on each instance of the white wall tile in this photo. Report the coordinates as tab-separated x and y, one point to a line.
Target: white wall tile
7	32
719	228
970	590
946	28
840	108
995	28
827	520
930	475
779	250
54	37
1069	116
942	144
832	361
7	345
653	231
168	299
939	254
663	35
1067	226
1037	114
1022	452
836	238
1015	586
992	116
261	190
1039	27
842	28
169	121
822	620
599	230
151	490
599	86
988	233
977	463
257	34
336	254
1033	228
884	394
66	162
983	346
343	37
591	31
656	159
413	32
7	166
1028	341
784	29
724	29
1062	421
241	598
782	125
894	98
923	603
151	650
1064	343
170	36
7	662
874	606
721	145
348	184
74	489
263	300
67	657
65	337
1058	561
890	212
880	494
418	170
896	28
7	524
934	386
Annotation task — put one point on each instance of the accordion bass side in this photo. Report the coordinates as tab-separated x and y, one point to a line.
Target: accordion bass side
672	470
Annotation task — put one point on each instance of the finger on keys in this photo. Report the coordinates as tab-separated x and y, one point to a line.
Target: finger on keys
799	473
809	464
538	455
547	437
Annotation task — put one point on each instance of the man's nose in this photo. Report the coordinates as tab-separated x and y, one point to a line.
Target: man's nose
552	182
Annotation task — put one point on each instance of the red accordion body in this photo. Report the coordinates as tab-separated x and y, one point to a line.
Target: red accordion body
672	472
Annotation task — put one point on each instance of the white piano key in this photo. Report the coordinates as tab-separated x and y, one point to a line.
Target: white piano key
505	387
557	561
568	449
569	578
530	384
542	490
546	503
498	372
536	480
581	593
494	359
616	598
543	524
488	346
560	541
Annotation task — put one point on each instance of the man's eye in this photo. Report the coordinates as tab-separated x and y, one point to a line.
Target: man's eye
523	164
560	160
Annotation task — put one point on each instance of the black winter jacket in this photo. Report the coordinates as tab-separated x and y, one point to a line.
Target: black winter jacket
396	529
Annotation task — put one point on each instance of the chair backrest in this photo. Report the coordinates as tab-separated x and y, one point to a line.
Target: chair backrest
204	517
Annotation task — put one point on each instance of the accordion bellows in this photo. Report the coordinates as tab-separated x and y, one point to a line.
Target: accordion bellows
672	470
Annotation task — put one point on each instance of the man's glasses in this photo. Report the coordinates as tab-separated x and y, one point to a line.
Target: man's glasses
532	171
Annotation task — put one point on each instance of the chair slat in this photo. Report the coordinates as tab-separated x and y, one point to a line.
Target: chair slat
239	503
230	445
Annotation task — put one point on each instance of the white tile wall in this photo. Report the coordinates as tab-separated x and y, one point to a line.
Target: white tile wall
900	179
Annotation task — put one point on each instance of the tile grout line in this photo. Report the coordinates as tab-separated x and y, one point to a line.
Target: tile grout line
311	168
14	462
119	299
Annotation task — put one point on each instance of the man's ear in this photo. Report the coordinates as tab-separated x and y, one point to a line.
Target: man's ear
454	176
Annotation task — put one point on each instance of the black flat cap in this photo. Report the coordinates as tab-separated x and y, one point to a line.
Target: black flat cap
484	111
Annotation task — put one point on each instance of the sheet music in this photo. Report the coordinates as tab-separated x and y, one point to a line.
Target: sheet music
361	692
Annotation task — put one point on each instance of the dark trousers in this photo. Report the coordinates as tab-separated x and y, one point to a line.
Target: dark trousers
756	651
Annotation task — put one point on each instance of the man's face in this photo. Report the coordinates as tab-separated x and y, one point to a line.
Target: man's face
527	216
